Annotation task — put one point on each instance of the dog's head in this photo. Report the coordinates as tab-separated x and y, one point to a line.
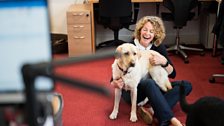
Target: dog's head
127	54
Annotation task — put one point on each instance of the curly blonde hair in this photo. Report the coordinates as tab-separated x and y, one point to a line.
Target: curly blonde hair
158	26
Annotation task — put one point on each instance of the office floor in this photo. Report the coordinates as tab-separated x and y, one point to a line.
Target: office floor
88	108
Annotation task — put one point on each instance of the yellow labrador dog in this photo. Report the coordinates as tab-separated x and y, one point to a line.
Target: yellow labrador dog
131	65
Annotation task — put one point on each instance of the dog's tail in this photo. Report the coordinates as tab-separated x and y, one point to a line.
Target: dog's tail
183	103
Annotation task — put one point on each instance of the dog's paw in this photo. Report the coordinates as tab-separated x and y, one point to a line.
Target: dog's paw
113	115
133	117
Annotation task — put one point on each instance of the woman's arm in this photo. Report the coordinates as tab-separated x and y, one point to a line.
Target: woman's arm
164	60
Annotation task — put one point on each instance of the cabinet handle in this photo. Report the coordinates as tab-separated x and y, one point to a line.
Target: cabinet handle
81	37
77	14
78	26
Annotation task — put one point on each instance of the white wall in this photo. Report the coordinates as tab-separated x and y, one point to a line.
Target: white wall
58	10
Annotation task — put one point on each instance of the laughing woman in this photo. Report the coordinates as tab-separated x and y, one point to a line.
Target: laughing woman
149	34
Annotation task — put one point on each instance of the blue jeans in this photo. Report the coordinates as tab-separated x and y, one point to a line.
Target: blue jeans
161	102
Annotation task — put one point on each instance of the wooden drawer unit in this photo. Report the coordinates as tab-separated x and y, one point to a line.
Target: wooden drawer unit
79	30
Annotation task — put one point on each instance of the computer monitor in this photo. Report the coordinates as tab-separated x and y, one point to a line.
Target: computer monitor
24	38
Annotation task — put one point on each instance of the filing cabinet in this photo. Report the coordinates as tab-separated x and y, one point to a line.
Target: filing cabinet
79	30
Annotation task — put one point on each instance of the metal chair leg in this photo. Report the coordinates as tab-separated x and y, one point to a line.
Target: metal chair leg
172	48
180	48
184	55
190	48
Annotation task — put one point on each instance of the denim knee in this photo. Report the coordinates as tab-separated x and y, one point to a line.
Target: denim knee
144	85
148	84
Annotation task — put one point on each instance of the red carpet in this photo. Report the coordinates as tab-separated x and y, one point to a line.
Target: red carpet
84	108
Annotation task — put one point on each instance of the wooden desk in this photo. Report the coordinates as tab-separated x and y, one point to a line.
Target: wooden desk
134	1
145	1
91	2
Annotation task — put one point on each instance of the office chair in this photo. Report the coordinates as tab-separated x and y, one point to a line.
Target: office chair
180	14
115	15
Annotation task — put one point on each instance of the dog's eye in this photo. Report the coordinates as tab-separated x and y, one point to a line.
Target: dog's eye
134	53
126	54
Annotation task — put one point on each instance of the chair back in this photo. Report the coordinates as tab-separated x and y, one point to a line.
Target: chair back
115	14
181	10
115	8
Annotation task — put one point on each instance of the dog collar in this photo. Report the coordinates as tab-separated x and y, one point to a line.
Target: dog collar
124	71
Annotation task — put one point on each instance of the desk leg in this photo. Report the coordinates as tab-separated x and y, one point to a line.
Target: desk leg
92	27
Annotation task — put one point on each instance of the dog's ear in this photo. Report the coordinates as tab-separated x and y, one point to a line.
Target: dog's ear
117	55
118	52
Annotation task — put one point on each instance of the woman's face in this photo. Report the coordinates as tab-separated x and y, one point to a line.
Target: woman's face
147	34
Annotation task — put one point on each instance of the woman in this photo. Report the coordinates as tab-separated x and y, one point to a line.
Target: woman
149	34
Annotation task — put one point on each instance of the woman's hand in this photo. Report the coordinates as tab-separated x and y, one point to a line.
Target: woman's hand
118	83
157	59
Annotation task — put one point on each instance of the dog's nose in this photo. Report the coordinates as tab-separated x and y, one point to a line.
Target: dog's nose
132	64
